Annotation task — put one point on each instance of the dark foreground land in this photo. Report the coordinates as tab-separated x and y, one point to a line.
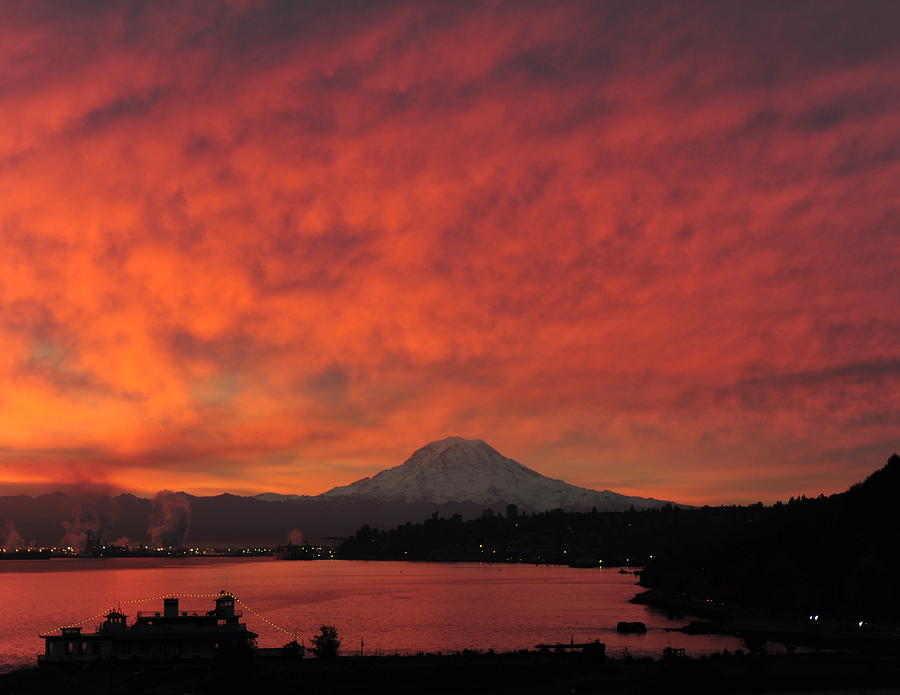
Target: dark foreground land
478	673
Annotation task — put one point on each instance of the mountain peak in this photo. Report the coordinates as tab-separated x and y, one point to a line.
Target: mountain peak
455	469
459	445
456	442
456	451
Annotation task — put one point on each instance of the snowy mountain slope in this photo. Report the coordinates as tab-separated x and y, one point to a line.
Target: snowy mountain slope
470	470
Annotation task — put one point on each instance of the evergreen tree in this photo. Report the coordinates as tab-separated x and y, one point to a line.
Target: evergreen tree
326	644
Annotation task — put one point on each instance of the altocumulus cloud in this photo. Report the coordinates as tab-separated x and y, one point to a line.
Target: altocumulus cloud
280	245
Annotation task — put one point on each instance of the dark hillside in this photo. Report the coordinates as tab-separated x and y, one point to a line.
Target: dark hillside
832	555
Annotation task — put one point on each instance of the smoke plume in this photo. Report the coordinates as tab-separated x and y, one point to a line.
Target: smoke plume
93	514
10	538
170	519
295	536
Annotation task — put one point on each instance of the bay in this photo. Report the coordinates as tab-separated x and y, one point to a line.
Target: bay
383	607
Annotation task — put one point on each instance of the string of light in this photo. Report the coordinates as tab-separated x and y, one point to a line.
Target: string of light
266	620
110	609
106	611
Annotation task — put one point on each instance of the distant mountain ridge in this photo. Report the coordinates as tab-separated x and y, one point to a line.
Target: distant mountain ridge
451	476
223	520
456	470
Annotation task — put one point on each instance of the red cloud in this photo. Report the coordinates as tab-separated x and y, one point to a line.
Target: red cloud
636	247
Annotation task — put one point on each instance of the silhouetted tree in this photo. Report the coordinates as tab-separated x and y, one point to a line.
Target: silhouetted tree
326	644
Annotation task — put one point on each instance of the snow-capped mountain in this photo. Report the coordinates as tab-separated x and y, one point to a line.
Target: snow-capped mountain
470	470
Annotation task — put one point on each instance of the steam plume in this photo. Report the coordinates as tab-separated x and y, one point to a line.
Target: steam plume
170	519
92	514
10	538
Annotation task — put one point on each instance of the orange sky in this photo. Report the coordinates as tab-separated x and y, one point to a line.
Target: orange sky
636	246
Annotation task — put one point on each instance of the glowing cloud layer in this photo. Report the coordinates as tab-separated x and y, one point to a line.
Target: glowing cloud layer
637	246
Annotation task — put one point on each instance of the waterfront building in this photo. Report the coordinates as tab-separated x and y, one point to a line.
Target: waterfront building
154	635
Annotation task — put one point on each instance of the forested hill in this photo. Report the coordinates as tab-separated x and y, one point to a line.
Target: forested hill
832	555
829	555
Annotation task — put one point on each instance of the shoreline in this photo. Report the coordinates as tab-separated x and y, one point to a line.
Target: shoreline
757	628
520	672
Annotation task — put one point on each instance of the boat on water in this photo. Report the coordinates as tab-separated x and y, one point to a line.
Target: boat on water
155	635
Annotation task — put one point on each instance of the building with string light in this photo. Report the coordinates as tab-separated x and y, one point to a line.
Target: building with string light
155	635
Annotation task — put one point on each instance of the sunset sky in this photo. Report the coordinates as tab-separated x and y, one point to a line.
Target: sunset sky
650	247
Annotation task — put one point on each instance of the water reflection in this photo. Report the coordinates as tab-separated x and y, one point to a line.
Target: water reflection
393	606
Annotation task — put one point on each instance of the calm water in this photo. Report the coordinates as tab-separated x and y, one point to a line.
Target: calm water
393	606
